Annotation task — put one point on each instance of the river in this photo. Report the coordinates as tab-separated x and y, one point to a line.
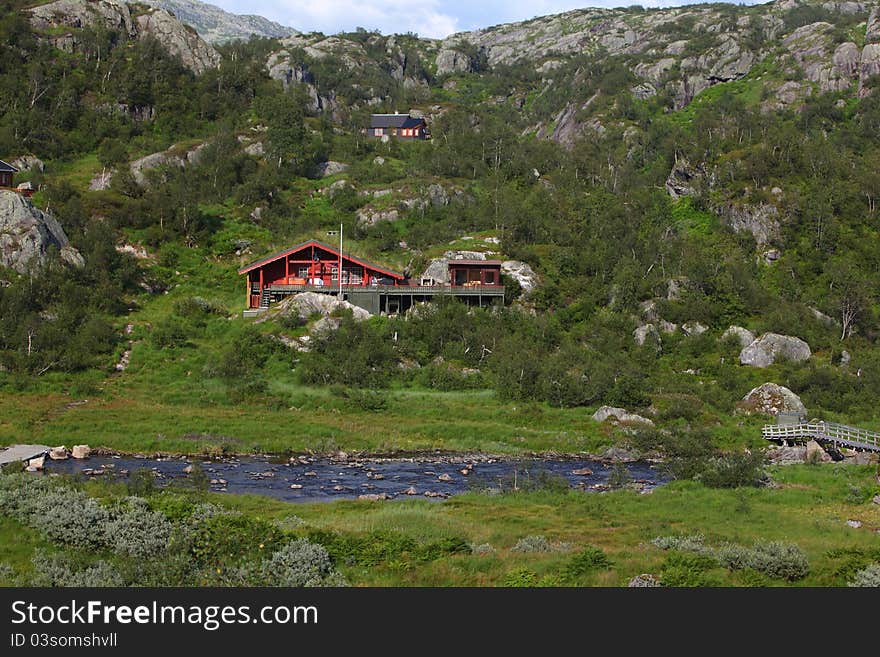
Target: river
310	479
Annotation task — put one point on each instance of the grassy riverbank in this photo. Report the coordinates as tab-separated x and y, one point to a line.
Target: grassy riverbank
410	543
320	420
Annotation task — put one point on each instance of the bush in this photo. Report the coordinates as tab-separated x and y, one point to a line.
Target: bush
682	569
867	577
482	549
779	560
60	570
300	563
538	543
136	531
226	538
586	561
520	578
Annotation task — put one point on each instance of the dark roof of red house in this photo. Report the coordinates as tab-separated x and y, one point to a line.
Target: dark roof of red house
395	121
481	263
7	168
326	247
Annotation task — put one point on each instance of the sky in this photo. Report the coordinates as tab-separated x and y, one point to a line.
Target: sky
427	18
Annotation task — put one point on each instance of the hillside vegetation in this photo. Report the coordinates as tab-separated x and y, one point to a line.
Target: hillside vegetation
667	174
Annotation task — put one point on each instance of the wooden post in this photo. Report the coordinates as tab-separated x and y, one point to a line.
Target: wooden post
247	295
340	262
261	286
286	269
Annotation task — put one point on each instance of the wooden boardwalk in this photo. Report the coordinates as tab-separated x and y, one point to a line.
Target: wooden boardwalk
16	453
825	432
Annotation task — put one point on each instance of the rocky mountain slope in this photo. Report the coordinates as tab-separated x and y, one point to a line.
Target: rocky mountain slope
62	20
215	25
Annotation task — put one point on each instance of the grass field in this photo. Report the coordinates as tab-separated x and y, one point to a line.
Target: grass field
808	505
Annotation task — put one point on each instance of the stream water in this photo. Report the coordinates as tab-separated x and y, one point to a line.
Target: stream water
306	479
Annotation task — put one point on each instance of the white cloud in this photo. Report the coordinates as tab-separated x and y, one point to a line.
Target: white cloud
425	17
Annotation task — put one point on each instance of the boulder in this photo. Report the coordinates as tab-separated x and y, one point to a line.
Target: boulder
331	168
27	234
28	163
369	217
745	336
140	166
693	328
582	472
58	453
178	39
306	304
787	455
816	454
522	273
622	415
684	179
371	497
647	333
644	580
81	451
101	181
36	464
770	347
771	399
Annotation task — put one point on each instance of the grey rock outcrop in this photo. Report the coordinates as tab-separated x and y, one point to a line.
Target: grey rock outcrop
109	14
743	335
331	168
522	273
872	33
173	157
306	304
685	179
770	347
180	40
762	221
770	399
28	163
621	414
217	26
27	234
370	217
693	328
647	334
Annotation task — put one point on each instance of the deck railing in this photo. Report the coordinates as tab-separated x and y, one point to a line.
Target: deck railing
486	290
840	434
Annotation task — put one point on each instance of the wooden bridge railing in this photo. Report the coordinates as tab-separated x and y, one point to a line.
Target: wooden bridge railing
840	434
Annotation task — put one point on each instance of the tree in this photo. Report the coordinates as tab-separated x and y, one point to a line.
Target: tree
284	114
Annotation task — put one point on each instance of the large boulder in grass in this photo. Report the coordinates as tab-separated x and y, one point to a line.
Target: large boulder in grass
745	336
772	347
621	414
771	399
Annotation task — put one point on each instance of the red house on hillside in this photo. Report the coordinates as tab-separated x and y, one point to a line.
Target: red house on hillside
6	173
403	126
312	264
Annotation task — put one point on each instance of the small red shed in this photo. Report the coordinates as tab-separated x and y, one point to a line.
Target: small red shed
471	273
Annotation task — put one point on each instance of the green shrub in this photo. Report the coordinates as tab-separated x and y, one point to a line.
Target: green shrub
226	538
682	569
586	561
867	577
520	578
52	570
299	563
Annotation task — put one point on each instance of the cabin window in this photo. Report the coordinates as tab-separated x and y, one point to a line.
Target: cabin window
490	278
303	272
379	132
334	273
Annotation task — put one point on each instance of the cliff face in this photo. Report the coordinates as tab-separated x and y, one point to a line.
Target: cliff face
27	234
217	26
115	15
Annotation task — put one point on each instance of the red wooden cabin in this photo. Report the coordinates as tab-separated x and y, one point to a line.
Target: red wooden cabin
316	265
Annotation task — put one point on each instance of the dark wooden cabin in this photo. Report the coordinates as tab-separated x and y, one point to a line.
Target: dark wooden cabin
403	126
315	266
472	273
7	171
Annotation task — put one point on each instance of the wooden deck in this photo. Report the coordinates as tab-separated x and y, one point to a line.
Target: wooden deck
418	290
825	432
